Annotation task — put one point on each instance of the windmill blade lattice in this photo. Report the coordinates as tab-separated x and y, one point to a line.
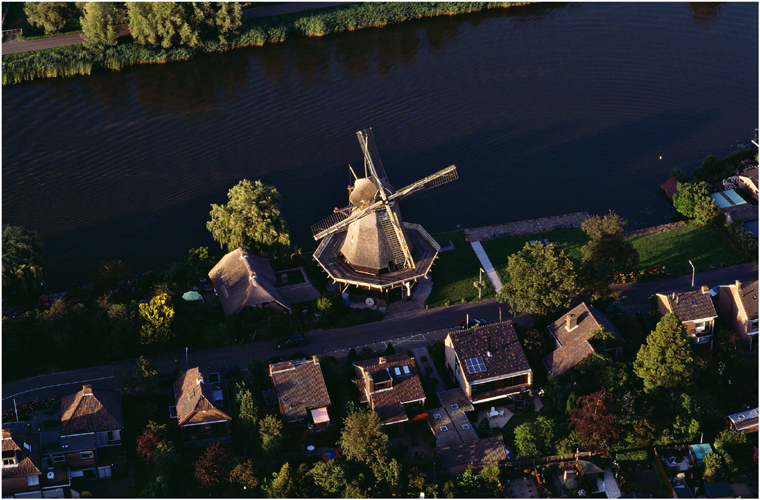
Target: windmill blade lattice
439	178
340	219
372	155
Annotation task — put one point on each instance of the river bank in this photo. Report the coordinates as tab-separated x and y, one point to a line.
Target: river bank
79	60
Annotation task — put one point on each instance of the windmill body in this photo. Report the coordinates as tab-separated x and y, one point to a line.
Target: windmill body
367	244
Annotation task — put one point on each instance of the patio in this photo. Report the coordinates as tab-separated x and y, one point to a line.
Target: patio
523	487
497	416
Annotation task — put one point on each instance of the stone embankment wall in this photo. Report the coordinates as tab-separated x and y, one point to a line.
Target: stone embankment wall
526	226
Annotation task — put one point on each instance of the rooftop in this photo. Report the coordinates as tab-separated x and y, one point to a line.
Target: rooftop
494	350
198	398
690	306
91	411
300	387
401	371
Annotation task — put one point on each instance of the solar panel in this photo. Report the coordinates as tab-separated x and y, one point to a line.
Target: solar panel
475	365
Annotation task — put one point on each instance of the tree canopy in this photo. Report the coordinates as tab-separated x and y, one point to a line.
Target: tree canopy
52	16
251	219
707	213
99	24
595	422
607	252
665	360
689	196
158	315
541	278
168	24
362	439
22	264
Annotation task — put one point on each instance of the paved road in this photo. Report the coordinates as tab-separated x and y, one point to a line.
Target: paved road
408	331
18	46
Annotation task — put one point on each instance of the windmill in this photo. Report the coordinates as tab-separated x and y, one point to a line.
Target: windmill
367	243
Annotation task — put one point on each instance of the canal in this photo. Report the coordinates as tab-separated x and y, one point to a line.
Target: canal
545	109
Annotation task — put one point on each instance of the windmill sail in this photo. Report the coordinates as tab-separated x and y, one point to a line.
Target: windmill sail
439	178
371	155
396	239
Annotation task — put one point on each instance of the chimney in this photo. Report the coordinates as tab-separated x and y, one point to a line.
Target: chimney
738	284
489	347
253	278
199	380
677	297
87	390
571	322
381	360
6	434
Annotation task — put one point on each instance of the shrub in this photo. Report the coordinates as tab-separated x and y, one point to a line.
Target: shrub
745	239
632	456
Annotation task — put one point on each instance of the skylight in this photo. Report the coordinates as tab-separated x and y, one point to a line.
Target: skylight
436	416
475	365
454	406
466	426
406	369
444	428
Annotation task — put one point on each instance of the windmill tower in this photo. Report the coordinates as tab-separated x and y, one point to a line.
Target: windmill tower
367	243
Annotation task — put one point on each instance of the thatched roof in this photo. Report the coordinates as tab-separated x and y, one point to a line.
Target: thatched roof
242	280
366	246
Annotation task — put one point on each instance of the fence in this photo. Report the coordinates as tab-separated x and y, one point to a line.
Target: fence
11	34
533	462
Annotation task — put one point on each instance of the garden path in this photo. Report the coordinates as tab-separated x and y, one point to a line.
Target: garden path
487	266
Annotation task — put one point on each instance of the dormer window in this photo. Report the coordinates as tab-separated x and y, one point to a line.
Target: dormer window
379	386
9	458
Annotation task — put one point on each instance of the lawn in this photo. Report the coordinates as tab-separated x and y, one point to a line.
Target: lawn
499	249
708	248
454	273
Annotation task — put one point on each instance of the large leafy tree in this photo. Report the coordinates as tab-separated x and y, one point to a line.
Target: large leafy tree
534	439
251	219
607	252
666	359
541	278
362	438
168	24
594	421
158	315
99	24
52	16
708	213
22	264
689	196
214	466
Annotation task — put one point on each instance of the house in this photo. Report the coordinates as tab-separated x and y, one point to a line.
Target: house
573	336
488	362
748	178
738	305
21	465
457	442
745	213
391	386
696	311
242	279
202	409
90	441
301	391
745	421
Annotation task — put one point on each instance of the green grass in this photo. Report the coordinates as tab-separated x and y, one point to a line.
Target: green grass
707	247
499	249
454	273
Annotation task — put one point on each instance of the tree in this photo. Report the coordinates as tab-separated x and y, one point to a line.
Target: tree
251	219
270	428
534	439
99	24
22	264
109	274
329	476
707	213
362	438
168	24
607	252
201	260
680	174
541	279
213	466
665	360
595	422
282	486
244	474
52	16
148	441
689	196
158	314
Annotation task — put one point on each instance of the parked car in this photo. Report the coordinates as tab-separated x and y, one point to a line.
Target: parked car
230	371
295	340
473	323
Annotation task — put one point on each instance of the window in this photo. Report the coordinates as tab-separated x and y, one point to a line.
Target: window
406	370
86	455
89	474
436	416
699	326
475	365
32	480
454	406
9	458
398	372
444	428
59	459
114	435
466	426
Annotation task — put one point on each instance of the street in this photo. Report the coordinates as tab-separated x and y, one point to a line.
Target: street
406	331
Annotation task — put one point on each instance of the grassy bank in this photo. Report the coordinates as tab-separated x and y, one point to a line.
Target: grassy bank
78	60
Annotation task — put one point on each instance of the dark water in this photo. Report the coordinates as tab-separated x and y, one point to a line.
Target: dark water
545	110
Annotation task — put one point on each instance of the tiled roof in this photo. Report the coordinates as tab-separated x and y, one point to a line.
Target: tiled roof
28	460
749	298
242	279
198	399
670	187
507	355
449	423
574	343
91	411
405	388
480	452
690	306
300	387
745	212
